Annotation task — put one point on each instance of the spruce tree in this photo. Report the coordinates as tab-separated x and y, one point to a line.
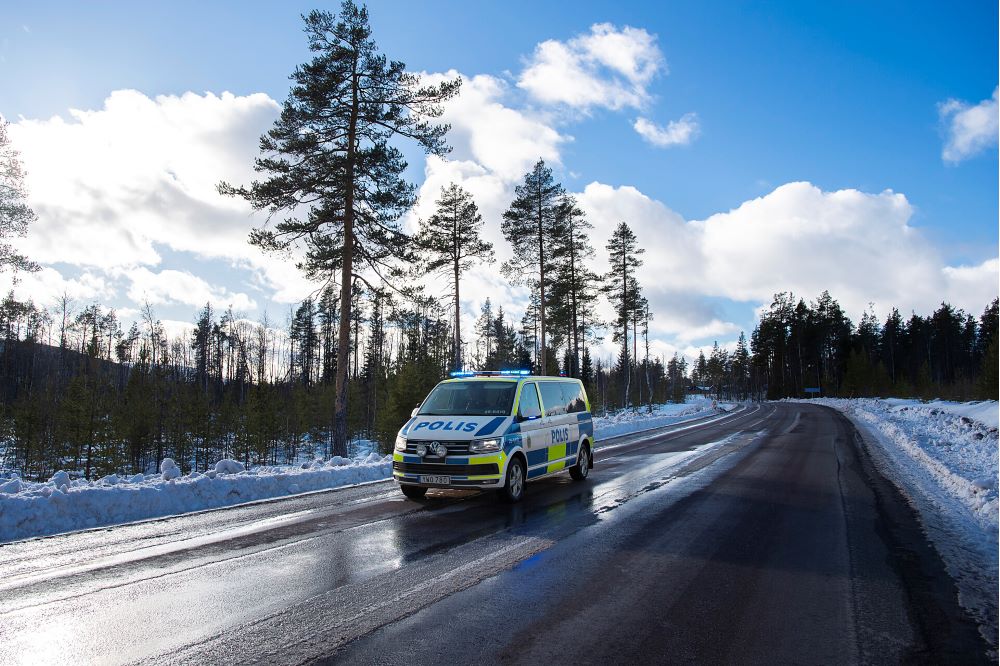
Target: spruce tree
450	243
330	168
530	226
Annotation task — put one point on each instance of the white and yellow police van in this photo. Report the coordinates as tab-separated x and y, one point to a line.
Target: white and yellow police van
495	430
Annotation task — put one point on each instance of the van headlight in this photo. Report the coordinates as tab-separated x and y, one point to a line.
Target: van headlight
400	443
486	445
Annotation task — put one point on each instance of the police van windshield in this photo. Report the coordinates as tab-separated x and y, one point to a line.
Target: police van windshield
471	398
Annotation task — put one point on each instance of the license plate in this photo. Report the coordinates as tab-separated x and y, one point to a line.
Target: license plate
442	480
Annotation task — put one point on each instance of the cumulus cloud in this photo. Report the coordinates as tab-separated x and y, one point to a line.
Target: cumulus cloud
499	140
608	68
171	286
48	285
118	188
969	129
676	133
859	246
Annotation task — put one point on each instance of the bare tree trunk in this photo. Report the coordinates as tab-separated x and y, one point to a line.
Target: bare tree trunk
346	281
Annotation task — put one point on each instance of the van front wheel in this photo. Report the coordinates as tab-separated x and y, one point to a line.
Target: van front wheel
513	487
413	492
580	470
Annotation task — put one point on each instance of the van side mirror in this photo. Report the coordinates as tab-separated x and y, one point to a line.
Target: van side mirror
415	410
528	413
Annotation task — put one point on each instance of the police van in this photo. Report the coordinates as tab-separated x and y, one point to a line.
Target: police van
495	430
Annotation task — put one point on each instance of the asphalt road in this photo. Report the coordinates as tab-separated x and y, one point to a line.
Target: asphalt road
762	537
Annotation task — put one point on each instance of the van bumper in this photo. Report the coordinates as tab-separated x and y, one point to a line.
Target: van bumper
484	471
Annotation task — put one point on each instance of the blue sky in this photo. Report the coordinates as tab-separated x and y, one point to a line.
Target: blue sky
846	97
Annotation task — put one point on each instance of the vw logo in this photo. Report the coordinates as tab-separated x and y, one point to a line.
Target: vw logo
436	449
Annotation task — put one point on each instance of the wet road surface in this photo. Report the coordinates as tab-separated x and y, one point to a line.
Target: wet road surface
761	536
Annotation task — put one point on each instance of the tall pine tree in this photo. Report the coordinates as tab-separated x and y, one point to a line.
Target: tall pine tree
330	166
530	226
622	289
450	243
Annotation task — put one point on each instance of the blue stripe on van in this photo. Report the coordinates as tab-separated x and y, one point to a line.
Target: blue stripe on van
491	426
510	442
406	428
539	457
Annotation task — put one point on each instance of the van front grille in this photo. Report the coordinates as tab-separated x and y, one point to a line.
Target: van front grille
454	448
448	470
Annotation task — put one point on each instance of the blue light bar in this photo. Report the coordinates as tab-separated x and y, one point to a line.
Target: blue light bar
490	373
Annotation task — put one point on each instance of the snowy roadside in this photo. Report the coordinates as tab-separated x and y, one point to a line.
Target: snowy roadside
61	504
29	509
627	421
943	458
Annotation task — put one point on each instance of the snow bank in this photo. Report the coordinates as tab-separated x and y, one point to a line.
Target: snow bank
954	445
626	421
30	509
943	457
62	504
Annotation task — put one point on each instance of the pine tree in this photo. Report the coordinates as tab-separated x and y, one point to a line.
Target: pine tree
450	242
741	368
530	226
328	318
574	293
329	155
622	289
201	344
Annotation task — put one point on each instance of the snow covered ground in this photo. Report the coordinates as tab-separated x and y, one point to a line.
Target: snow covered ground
943	457
62	504
625	421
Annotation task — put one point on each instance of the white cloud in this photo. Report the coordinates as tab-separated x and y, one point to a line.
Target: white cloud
119	187
676	133
504	142
969	129
858	246
110	185
170	286
607	68
47	285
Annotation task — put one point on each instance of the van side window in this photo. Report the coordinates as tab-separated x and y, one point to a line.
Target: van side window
573	395
552	398
529	398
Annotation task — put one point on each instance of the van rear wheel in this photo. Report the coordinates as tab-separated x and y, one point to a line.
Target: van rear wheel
413	492
513	487
580	470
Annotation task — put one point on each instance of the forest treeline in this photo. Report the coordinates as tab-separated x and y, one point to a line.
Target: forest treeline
81	393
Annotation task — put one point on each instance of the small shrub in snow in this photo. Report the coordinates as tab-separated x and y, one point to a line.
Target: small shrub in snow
229	466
